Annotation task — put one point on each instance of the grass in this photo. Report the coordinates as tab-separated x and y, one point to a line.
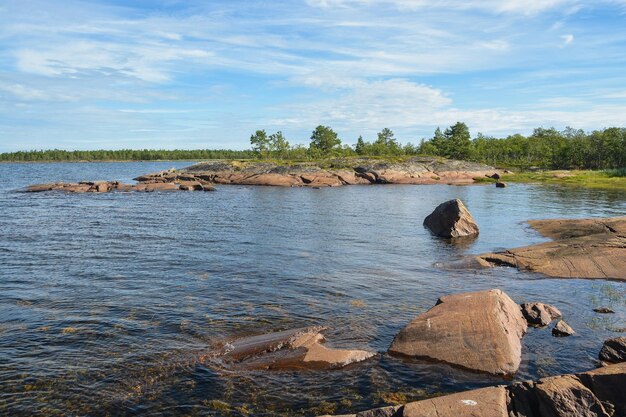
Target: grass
614	179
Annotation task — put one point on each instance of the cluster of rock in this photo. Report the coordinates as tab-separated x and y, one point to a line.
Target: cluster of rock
597	393
541	315
582	248
418	170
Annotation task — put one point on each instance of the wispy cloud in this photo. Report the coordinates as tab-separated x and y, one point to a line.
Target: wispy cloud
208	73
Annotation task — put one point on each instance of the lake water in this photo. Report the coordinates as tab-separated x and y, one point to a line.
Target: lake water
105	299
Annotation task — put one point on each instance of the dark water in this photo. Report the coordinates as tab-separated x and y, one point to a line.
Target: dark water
106	299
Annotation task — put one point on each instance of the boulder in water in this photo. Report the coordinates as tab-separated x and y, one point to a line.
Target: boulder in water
451	219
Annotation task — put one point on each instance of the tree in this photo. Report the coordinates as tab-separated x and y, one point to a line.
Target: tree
324	139
458	141
277	144
260	142
359	148
438	143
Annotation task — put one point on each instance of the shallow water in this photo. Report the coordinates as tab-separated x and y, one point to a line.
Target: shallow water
106	299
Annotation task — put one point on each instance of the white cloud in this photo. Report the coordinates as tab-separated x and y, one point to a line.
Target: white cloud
567	39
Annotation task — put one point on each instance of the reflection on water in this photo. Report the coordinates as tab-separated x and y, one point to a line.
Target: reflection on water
107	300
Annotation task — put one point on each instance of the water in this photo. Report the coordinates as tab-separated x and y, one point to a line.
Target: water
106	299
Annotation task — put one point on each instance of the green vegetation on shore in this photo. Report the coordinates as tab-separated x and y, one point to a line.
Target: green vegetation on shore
590	179
544	148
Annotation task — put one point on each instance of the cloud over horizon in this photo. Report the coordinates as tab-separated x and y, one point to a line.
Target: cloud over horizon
102	74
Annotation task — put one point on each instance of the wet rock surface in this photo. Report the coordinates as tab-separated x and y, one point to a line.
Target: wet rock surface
480	331
539	314
583	248
451	220
597	393
285	350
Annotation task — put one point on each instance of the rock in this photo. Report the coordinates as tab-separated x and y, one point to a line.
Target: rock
614	350
479	331
500	184
604	310
495	176
451	219
562	329
102	187
584	248
539	314
290	349
566	396
484	402
607	383
190	186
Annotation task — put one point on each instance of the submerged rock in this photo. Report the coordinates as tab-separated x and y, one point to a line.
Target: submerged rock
562	329
604	310
539	314
597	393
479	331
500	184
583	248
290	349
451	219
614	350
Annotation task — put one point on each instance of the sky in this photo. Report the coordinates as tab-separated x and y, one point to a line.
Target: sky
166	74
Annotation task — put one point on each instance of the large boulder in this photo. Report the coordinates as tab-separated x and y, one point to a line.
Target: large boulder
614	350
290	349
539	314
451	219
479	331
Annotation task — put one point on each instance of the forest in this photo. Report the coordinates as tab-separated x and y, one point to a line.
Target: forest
545	148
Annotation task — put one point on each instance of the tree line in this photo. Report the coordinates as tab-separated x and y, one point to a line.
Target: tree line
545	148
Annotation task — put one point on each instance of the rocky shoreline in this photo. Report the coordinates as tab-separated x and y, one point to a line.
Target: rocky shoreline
596	393
203	176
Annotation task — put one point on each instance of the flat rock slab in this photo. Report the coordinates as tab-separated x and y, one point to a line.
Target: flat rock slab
479	331
584	248
286	350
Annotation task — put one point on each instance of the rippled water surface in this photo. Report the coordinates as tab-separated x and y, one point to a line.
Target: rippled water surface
107	299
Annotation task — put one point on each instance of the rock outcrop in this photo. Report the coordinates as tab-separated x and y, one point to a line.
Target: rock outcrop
450	220
614	350
116	186
290	349
597	393
583	248
539	314
416	170
479	331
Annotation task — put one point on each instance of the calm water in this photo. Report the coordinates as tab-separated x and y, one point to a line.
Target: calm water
106	299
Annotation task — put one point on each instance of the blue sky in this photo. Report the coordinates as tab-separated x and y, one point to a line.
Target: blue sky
206	74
